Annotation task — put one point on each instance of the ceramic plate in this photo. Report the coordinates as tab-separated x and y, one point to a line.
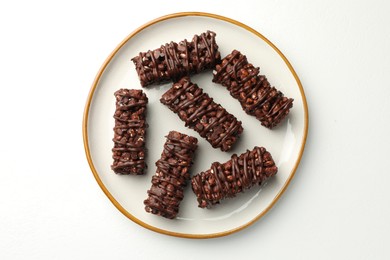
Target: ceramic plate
285	142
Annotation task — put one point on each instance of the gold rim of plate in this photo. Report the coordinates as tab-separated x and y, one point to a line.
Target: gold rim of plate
92	91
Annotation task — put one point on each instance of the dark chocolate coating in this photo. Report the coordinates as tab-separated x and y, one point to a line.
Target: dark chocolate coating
232	177
254	92
175	60
129	132
200	113
172	175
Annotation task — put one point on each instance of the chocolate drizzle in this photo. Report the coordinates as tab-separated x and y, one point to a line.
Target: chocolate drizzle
174	60
171	176
129	132
232	177
254	92
199	112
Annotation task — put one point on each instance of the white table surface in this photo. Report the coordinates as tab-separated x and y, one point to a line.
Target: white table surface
336	207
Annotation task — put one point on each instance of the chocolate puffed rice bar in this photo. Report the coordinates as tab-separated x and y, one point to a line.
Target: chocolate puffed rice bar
200	113
174	60
172	175
228	179
129	132
256	96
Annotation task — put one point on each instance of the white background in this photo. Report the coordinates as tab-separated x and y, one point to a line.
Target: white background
336	207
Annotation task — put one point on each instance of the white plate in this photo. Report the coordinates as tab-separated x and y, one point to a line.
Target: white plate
286	142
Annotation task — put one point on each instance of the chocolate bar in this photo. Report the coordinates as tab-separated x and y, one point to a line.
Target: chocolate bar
129	132
254	92
171	176
232	177
200	113
175	60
